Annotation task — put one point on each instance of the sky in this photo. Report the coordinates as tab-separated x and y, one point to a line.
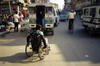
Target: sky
59	2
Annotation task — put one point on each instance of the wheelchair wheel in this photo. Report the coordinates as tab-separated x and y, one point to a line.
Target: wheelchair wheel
28	50
41	52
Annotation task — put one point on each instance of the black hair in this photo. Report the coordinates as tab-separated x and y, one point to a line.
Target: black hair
16	12
38	26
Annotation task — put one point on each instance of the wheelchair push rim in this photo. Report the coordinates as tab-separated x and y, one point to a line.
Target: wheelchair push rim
28	50
41	53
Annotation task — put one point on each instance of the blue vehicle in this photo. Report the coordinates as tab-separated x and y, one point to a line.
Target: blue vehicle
63	15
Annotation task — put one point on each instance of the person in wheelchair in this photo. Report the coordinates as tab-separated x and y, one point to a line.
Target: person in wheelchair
36	33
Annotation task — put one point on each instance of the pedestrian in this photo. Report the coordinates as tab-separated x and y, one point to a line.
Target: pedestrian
25	14
7	17
40	17
20	16
4	20
59	12
16	20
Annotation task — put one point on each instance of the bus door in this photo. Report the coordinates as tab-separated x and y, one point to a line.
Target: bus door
39	17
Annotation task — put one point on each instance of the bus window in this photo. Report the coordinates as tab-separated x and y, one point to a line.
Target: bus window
92	11
32	10
86	11
48	10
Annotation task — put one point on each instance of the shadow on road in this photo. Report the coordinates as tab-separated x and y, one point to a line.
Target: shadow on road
19	58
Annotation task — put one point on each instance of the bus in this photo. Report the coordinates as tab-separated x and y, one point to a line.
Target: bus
48	16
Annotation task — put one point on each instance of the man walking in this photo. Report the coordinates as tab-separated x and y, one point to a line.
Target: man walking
16	20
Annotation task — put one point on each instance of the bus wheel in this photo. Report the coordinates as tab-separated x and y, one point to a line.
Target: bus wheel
91	32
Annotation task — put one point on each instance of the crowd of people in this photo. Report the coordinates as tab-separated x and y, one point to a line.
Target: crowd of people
9	21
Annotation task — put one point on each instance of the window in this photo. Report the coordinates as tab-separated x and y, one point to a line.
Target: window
32	10
92	11
86	11
48	9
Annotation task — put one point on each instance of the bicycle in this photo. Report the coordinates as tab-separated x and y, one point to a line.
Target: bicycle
71	27
30	51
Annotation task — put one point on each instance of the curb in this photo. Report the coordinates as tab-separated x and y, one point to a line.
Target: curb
7	32
4	33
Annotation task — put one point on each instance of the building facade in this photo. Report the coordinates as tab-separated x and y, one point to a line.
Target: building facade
82	3
14	4
70	4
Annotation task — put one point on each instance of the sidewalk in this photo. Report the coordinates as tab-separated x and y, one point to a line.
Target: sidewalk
22	24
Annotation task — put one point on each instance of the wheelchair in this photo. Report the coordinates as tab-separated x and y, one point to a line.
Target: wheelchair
35	44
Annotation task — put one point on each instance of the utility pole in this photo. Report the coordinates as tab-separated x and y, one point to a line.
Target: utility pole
9	7
65	4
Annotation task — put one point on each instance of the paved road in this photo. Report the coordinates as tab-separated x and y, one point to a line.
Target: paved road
78	49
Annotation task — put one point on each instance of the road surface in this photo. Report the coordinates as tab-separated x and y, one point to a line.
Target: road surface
77	49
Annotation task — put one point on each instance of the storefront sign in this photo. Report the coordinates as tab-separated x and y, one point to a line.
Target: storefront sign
4	9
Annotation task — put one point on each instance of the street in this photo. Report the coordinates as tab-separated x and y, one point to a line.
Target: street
77	49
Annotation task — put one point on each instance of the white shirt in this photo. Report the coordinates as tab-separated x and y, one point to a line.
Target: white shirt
71	15
16	18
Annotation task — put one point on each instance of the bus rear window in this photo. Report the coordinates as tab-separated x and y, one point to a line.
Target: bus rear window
85	11
48	10
32	10
92	11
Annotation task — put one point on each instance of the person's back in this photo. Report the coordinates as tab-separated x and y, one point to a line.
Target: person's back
25	13
16	17
35	33
71	15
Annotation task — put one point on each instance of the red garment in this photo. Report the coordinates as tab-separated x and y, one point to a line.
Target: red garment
7	17
25	14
